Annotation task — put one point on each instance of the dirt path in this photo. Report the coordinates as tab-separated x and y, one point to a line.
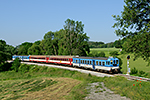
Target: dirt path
99	92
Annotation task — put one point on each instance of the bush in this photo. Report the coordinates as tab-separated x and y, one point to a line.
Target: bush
5	66
24	68
16	64
141	73
114	53
134	71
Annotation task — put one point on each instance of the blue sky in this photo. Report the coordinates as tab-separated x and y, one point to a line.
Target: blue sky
29	20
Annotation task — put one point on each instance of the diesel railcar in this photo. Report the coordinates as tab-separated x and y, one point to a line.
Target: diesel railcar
95	63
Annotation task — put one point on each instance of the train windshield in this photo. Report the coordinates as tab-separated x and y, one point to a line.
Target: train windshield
117	62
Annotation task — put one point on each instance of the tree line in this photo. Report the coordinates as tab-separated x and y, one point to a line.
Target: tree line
116	44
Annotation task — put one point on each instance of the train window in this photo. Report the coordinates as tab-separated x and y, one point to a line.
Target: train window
117	61
90	62
108	63
114	62
76	61
83	61
99	62
96	62
103	63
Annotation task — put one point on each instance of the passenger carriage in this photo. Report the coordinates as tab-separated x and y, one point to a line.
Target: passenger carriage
22	58
97	63
37	58
67	60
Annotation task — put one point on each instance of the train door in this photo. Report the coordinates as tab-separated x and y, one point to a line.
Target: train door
93	64
79	62
47	58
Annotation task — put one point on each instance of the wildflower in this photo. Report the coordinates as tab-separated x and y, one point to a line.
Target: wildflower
133	84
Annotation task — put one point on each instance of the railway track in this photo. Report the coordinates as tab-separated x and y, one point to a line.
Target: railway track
92	72
129	77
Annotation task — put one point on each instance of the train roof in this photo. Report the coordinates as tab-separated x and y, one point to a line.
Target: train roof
61	56
38	55
51	56
20	55
98	58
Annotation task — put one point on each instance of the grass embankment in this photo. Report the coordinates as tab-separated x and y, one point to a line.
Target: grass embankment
54	83
139	63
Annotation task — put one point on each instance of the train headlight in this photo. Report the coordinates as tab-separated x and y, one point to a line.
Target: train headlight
111	62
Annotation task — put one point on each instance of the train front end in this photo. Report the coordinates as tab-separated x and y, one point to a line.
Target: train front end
114	64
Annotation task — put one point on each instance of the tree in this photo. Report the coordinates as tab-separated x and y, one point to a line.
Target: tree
118	44
23	48
37	42
49	44
3	54
6	52
75	40
134	25
34	50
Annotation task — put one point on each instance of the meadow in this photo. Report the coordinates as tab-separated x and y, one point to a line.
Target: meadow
41	82
139	63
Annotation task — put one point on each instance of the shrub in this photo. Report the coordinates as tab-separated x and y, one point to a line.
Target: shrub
101	54
5	66
16	64
134	71
141	73
114	53
24	68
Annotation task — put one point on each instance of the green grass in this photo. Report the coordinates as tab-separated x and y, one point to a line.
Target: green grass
14	85
105	50
135	90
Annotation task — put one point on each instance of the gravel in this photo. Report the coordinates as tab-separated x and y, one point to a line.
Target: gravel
99	92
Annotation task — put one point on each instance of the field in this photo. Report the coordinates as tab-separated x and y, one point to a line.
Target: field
59	84
139	64
105	50
41	88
